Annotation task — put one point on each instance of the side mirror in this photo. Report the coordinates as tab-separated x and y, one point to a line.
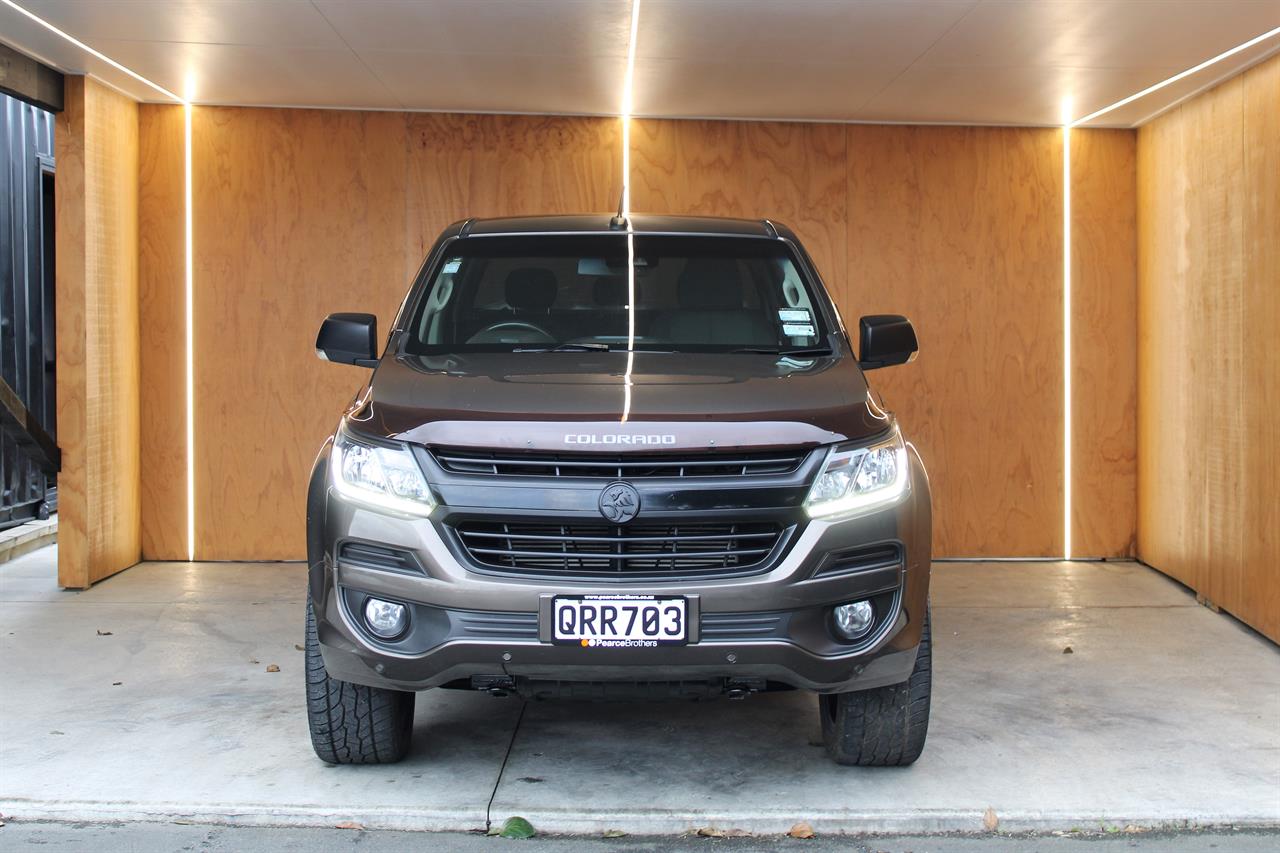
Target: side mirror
349	339
885	340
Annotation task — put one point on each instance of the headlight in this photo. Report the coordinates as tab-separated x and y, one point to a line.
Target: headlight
860	478
381	477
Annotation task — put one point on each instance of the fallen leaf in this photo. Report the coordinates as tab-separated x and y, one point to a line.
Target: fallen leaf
272	668
801	830
708	832
517	827
349	824
989	820
614	833
116	683
736	833
56	732
104	633
1068	651
298	647
253	661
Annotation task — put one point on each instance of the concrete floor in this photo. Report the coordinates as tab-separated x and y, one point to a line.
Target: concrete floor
149	697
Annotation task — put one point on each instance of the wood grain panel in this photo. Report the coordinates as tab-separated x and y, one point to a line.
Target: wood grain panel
1209	223
303	212
97	327
790	172
162	305
1104	342
1260	583
960	229
488	165
297	213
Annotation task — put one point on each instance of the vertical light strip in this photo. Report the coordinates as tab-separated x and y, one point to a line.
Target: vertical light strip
628	81
627	85
190	349
1066	329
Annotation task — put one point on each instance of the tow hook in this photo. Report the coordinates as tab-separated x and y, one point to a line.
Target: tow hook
494	685
741	688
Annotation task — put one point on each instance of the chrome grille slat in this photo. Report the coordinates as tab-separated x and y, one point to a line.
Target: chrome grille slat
603	550
614	466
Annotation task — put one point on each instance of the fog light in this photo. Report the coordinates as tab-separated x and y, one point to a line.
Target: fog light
385	619
854	620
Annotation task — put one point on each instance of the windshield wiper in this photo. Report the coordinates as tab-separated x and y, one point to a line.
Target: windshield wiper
587	347
776	351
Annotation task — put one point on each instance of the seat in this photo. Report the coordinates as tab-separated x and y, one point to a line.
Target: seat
710	294
529	292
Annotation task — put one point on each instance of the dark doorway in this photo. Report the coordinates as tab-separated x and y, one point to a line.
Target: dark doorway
28	398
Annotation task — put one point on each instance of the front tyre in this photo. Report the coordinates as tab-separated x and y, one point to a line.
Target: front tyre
884	727
351	723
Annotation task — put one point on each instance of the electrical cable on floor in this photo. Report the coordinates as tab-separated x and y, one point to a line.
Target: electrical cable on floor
497	783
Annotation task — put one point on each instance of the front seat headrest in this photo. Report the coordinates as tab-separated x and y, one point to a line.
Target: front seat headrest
609	291
710	284
531	288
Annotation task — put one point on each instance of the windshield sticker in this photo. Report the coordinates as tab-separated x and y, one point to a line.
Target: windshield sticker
451	266
797	330
794	315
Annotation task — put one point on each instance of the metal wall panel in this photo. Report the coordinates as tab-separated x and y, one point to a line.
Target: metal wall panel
26	302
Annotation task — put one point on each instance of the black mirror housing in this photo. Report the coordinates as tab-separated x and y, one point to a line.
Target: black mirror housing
885	340
349	339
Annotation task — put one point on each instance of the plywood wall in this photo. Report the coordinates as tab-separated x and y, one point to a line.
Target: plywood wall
1209	363
96	198
300	213
960	229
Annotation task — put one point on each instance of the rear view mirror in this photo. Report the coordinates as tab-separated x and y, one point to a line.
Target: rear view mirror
349	339
885	340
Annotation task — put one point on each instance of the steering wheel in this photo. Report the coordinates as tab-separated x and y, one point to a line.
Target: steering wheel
489	333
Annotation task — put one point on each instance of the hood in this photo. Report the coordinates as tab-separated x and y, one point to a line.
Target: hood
613	401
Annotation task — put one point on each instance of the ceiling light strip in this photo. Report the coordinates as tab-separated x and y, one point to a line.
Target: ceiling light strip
1175	78
96	54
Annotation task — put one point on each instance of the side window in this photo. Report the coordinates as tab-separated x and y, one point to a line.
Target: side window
431	328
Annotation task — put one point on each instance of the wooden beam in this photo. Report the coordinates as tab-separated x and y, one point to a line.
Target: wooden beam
30	80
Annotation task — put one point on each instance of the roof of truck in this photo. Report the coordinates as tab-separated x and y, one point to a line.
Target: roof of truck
641	223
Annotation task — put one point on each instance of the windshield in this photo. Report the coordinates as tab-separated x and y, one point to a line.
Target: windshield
545	293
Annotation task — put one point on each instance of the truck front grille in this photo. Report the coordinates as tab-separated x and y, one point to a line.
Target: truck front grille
702	549
628	466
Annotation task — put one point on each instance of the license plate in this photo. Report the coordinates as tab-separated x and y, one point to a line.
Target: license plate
619	621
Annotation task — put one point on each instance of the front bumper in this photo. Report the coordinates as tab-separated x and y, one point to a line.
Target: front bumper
764	629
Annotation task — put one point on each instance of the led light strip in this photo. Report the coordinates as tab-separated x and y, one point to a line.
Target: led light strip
1175	78
1066	329
96	54
190	322
189	239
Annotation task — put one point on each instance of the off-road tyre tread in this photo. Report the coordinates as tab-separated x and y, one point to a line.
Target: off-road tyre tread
883	727
352	723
